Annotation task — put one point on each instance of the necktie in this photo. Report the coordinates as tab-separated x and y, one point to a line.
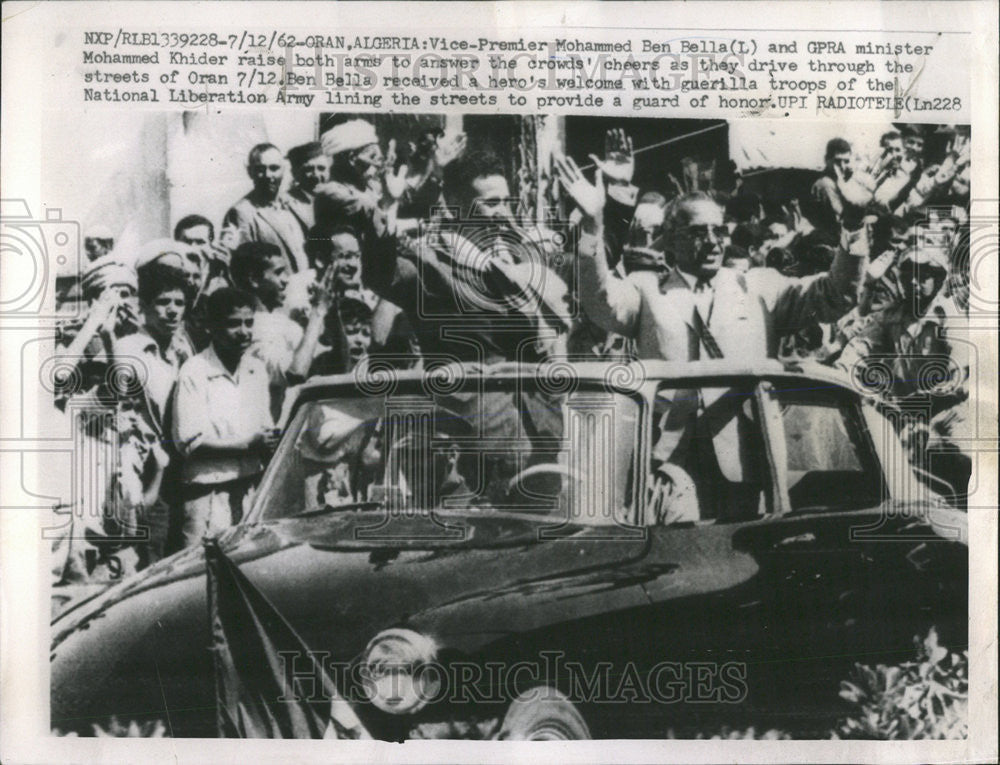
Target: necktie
702	303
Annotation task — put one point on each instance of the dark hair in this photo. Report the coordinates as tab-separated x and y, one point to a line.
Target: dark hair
459	175
781	259
156	278
836	146
912	131
816	251
327	229
258	150
221	303
775	218
317	244
743	206
892	135
882	232
191	221
298	155
747	235
896	223
249	262
676	214
355	309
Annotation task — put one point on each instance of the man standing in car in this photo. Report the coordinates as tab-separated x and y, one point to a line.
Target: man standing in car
699	310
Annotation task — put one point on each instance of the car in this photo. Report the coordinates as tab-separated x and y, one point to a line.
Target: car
568	550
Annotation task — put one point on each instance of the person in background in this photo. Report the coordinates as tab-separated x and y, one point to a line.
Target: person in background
263	214
261	269
359	168
916	332
94	385
222	425
890	180
310	168
837	192
109	287
348	333
197	232
892	237
158	350
356	164
913	149
164	296
98	242
743	252
336	252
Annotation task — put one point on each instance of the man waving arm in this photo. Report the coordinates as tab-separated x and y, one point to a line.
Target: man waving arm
610	302
798	302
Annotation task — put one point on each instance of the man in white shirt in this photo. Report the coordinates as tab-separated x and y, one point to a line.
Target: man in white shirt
222	422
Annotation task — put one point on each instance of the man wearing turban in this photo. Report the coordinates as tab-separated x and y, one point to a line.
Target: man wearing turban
354	188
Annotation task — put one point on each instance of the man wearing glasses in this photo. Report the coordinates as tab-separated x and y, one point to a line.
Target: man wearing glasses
693	310
697	309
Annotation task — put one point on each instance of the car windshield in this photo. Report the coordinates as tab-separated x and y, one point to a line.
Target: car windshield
505	446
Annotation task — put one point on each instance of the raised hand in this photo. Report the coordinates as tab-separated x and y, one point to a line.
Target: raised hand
104	312
448	148
219	253
676	184
876	268
589	197
841	177
800	223
127	317
618	164
321	297
394	180
960	148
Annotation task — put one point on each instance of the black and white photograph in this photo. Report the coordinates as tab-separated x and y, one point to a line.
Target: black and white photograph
498	382
516	427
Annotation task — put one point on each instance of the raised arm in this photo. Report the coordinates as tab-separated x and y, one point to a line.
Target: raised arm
796	303
610	302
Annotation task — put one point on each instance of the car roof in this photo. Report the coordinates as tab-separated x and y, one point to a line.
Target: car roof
379	377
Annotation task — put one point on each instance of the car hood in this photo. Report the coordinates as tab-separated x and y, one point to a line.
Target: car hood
146	641
291	557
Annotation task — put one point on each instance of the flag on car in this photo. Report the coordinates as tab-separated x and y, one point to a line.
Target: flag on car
254	696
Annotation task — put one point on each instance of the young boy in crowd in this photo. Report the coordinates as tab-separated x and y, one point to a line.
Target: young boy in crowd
348	333
262	270
222	419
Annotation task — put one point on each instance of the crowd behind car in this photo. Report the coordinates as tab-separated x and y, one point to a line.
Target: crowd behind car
189	348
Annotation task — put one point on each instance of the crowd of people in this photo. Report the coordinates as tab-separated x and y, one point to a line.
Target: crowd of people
190	346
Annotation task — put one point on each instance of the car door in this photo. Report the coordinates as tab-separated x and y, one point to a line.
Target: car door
774	571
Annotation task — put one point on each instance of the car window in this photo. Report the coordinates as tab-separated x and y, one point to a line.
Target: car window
707	457
506	448
829	459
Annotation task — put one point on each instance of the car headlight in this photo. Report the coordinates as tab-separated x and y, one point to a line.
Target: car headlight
399	671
